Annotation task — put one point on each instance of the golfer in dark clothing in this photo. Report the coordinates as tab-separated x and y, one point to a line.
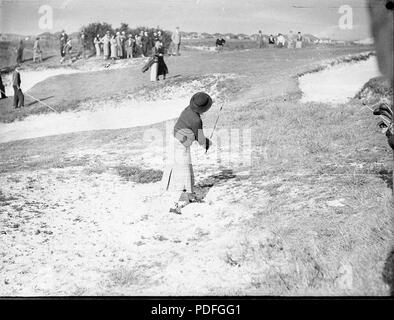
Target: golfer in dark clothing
178	176
2	89
19	99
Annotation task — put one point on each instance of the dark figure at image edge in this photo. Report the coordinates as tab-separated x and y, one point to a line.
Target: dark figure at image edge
19	99
2	88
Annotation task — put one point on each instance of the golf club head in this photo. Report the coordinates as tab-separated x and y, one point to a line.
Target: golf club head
383	113
381	108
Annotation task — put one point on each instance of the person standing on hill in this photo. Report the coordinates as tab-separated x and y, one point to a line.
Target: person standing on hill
66	49
97	43
84	45
129	46
63	41
260	39
178	176
19	99
2	88
37	53
176	40
138	46
145	44
119	48
123	44
154	39
299	40
160	36
19	52
114	47
158	54
106	45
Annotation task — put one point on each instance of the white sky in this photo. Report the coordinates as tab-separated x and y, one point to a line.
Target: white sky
319	17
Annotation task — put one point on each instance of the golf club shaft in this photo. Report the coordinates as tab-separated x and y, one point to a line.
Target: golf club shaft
43	103
216	123
38	100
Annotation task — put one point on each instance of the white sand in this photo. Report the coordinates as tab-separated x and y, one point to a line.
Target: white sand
109	114
31	77
125	115
202	48
87	227
337	84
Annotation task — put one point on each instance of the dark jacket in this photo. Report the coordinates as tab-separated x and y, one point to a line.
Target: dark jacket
158	56
16	79
190	120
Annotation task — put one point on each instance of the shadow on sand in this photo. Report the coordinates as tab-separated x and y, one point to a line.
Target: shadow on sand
35	101
202	188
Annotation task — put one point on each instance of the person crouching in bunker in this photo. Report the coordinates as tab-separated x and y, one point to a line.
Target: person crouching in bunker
178	176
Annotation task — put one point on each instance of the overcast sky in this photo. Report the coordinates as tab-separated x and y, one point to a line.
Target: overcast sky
319	17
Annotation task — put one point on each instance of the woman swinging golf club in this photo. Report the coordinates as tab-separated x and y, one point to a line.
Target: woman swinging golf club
178	177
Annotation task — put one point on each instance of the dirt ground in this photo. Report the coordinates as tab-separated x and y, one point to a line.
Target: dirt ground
311	214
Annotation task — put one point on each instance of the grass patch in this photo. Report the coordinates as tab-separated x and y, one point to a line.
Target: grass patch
138	175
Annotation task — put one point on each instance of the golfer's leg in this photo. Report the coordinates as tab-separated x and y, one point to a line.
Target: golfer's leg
2	91
15	98
21	98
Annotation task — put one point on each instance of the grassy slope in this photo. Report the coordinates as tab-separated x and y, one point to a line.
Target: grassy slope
318	185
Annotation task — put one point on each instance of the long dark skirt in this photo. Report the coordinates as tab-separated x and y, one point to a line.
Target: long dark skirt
162	68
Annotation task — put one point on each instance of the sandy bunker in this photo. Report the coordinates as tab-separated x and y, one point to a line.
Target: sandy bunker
108	114
339	83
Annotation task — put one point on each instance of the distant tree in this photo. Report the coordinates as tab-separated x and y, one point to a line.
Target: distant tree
166	34
95	28
123	27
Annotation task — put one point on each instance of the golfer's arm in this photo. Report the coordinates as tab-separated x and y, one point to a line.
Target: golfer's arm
202	140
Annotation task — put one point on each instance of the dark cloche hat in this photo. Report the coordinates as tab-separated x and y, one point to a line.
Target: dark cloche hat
200	102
